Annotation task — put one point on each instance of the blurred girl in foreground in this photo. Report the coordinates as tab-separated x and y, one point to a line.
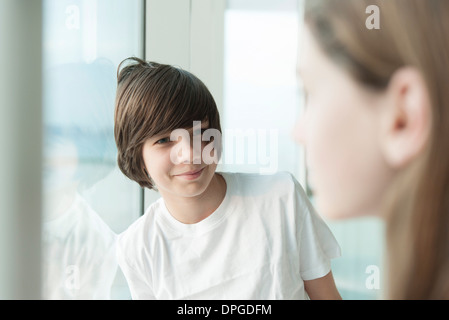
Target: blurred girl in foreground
376	129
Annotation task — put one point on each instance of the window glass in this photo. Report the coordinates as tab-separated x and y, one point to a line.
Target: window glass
87	200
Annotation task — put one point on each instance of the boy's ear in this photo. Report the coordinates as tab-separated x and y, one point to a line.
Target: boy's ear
406	118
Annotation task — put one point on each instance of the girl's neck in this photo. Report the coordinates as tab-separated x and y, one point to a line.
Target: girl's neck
194	209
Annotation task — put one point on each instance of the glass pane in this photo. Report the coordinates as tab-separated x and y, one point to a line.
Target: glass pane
87	200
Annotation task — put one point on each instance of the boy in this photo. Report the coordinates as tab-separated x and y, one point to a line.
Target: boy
211	235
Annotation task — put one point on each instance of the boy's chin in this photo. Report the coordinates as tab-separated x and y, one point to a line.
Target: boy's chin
192	191
192	188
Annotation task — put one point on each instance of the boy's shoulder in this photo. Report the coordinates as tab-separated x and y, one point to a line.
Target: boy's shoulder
136	232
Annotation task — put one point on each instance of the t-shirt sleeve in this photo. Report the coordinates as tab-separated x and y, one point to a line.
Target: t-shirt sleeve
317	244
139	286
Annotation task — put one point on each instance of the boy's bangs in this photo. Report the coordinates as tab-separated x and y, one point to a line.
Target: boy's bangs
191	102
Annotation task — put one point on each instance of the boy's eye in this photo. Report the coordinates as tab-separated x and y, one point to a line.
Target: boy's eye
163	140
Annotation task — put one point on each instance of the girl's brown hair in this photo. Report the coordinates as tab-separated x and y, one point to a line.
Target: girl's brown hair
412	33
153	99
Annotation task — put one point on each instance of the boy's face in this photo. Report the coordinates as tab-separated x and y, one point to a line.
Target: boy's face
177	167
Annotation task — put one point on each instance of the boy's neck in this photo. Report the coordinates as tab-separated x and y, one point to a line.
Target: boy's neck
194	209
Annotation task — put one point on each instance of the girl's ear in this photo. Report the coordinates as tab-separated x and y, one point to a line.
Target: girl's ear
406	118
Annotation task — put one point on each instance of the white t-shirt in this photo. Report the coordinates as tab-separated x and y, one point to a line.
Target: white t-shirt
261	243
79	254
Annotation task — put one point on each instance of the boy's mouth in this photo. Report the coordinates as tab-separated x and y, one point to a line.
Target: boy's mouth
191	175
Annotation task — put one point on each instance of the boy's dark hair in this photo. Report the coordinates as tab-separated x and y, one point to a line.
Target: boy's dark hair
153	99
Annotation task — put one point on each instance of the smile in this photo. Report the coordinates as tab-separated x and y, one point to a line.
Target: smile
191	175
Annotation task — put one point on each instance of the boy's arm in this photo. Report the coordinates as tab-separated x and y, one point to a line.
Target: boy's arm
322	288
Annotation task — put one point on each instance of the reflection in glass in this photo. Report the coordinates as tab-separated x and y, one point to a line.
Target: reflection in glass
79	151
82	212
